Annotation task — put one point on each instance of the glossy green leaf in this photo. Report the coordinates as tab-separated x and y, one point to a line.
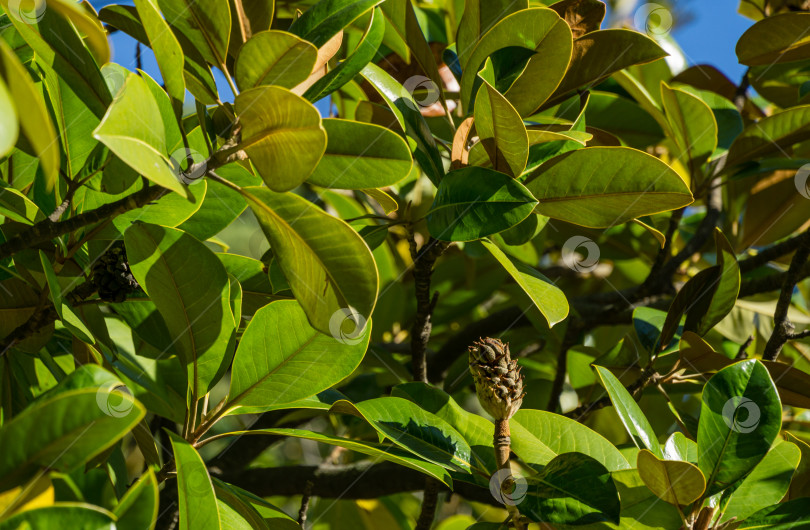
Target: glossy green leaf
539	30
170	57
282	359
9	126
35	123
63	309
547	297
64	431
192	296
623	118
676	482
476	430
330	268
17	207
740	417
707	297
379	451
282	135
361	155
501	131
138	509
766	485
601	187
413	429
780	38
478	18
693	126
205	23
326	18
634	420
785	516
274	58
679	447
641	509
475	202
93	32
564	435
406	111
196	498
81	516
346	70
133	130
771	135
599	54
572	489
58	45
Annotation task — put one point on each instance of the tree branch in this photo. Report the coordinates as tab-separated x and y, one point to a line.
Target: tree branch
771	253
783	328
423	262
362	480
47	230
570	338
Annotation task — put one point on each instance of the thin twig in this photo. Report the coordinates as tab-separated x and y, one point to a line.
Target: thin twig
569	340
302	511
783	327
742	353
423	262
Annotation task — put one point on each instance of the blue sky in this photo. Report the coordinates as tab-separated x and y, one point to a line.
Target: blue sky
712	35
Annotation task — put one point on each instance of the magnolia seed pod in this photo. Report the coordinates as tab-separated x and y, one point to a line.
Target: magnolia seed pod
498	382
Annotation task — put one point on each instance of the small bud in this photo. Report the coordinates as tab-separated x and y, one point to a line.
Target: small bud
497	379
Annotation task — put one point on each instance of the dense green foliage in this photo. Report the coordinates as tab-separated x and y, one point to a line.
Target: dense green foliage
221	309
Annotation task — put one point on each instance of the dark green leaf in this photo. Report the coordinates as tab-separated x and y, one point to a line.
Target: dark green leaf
322	21
634	420
572	489
739	418
414	429
475	202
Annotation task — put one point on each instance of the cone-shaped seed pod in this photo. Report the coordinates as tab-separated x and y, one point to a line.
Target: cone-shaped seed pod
498	382
112	276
